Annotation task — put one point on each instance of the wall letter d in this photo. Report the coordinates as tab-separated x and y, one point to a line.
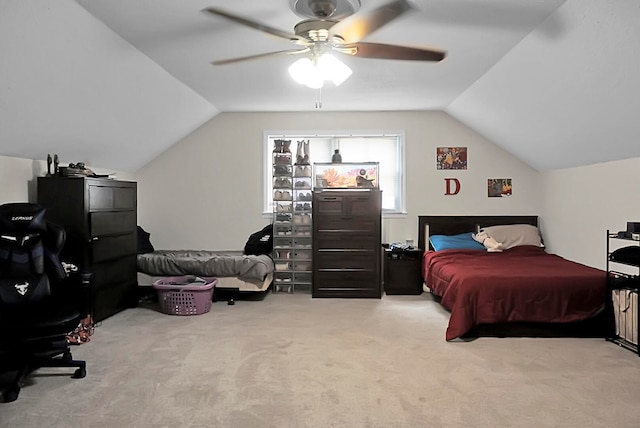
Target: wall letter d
456	187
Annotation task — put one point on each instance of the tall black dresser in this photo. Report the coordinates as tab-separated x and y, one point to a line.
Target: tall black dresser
346	243
100	219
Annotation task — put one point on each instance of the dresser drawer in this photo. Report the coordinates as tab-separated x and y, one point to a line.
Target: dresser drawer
347	284
346	241
328	204
365	204
112	197
363	259
116	271
349	224
112	247
108	222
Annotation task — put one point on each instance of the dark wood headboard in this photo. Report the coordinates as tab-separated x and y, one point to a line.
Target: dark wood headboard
454	224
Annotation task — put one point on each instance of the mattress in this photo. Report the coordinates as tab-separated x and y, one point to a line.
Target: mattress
521	284
219	264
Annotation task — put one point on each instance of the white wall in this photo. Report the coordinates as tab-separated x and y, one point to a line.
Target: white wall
206	191
17	182
18	178
580	204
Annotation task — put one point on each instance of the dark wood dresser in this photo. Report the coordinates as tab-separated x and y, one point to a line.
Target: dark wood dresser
100	219
346	243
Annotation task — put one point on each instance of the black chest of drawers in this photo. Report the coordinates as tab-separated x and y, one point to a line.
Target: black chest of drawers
346	243
100	219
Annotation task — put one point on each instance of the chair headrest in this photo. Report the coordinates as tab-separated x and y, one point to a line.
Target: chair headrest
22	217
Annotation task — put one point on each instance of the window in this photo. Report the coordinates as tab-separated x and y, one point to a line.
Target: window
386	148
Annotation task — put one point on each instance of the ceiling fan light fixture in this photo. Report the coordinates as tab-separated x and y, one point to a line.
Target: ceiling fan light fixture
313	73
333	69
305	72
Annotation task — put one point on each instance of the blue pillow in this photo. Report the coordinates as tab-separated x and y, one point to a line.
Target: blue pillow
463	241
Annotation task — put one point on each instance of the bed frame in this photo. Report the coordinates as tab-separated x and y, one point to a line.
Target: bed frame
227	288
452	225
598	326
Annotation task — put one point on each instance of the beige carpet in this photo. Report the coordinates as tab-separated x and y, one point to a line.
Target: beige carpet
294	361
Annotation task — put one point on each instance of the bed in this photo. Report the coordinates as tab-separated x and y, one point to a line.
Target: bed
236	273
520	286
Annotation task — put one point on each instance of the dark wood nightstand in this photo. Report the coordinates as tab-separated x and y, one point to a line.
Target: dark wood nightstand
403	271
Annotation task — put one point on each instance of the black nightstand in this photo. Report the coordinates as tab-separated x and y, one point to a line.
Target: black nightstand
402	271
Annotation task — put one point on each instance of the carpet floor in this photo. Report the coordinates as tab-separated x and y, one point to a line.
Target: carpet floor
292	361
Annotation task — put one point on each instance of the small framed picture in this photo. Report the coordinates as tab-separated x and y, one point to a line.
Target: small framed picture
499	187
451	158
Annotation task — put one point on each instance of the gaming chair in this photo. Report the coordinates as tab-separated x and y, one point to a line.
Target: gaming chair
37	305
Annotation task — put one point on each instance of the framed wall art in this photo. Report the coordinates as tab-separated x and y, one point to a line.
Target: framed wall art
499	187
451	158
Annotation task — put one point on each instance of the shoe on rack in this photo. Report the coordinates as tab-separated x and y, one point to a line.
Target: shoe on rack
277	196
282	169
300	153
282	160
307	152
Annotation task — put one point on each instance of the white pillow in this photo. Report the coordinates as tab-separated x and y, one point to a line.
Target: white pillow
509	236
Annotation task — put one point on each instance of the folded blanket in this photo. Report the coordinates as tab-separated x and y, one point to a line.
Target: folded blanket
206	263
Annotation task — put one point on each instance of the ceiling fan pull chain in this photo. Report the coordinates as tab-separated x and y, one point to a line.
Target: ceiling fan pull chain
319	98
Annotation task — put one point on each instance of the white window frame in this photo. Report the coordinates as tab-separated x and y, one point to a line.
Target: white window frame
398	212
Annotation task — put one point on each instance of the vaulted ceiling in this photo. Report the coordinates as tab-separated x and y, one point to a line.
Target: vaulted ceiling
117	82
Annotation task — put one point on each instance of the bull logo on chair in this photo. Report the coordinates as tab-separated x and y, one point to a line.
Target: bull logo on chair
22	288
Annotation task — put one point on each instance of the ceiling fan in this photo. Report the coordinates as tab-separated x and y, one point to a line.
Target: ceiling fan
325	31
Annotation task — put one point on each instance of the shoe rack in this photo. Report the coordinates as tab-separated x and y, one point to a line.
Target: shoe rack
292	226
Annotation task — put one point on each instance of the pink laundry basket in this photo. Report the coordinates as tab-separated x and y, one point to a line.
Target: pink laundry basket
185	295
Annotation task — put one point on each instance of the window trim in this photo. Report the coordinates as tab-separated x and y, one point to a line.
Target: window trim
401	212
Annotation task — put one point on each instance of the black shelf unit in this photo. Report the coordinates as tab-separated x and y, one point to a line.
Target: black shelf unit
623	289
402	271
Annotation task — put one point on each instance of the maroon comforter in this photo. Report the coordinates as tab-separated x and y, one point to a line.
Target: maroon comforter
521	284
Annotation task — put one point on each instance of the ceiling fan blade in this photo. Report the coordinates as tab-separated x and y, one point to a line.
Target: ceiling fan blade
256	25
356	27
383	51
257	56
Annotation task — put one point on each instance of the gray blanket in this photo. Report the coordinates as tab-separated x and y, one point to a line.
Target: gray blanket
205	263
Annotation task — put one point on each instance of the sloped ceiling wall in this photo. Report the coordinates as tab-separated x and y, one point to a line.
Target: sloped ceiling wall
61	93
566	95
568	100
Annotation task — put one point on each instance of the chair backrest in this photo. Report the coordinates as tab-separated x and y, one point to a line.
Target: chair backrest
29	250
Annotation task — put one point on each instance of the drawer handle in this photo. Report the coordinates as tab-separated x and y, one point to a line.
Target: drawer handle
94	238
329	198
